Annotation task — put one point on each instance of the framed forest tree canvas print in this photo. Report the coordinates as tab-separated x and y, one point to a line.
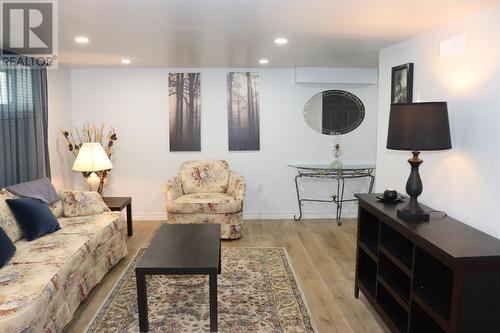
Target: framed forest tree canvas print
185	111
243	111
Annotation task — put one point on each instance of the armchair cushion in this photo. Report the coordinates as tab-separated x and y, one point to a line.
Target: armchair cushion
236	186
173	190
215	203
209	176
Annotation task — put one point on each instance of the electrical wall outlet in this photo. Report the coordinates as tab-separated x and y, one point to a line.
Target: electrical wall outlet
260	188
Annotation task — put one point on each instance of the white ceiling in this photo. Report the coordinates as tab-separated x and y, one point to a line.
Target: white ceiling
236	33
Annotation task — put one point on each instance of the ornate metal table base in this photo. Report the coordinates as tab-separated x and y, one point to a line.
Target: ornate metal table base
327	172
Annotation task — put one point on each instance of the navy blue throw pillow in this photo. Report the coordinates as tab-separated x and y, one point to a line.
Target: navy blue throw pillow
7	249
33	216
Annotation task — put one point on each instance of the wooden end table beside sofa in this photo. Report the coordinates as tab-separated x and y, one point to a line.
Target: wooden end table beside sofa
117	204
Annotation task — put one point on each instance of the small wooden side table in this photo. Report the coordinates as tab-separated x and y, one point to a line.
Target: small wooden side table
118	204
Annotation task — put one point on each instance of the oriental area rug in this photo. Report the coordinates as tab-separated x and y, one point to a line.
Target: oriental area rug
257	292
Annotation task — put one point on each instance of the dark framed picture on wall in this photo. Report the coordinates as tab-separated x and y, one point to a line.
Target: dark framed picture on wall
402	83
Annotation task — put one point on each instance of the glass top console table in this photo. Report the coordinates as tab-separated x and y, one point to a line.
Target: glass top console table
326	171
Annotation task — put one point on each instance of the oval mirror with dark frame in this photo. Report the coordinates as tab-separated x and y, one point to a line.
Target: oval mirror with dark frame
334	112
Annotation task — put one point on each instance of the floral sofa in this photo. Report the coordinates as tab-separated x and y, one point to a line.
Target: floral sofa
207	192
47	279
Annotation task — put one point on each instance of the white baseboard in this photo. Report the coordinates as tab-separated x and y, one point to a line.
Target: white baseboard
305	215
256	216
149	216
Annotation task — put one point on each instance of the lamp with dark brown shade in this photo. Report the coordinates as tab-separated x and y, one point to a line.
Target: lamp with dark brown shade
416	127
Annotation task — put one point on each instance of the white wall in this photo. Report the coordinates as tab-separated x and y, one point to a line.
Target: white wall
336	75
135	103
59	107
464	181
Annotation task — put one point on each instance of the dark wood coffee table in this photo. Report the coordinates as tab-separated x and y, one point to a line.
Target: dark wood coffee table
181	249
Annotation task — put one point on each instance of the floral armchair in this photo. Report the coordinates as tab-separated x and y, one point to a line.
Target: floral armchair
207	192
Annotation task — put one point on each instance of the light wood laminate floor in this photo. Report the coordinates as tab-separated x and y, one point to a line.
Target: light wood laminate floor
322	255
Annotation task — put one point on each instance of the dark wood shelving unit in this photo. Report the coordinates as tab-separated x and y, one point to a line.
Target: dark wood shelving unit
437	276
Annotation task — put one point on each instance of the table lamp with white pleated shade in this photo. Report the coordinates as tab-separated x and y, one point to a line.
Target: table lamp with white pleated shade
91	158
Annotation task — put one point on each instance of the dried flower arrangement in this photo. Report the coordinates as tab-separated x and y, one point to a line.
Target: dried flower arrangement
90	133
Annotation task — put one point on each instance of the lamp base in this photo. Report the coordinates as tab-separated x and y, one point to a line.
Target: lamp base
413	211
93	182
414	214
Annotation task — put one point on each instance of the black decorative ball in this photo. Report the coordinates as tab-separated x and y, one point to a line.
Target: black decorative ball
390	194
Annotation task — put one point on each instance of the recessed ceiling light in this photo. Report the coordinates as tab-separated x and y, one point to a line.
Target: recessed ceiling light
263	61
125	61
81	40
280	41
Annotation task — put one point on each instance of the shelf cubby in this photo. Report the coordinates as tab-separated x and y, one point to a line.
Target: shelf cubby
420	322
367	272
398	245
369	230
398	281
433	283
397	314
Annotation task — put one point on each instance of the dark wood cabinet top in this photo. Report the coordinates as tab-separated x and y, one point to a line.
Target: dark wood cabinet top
455	240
